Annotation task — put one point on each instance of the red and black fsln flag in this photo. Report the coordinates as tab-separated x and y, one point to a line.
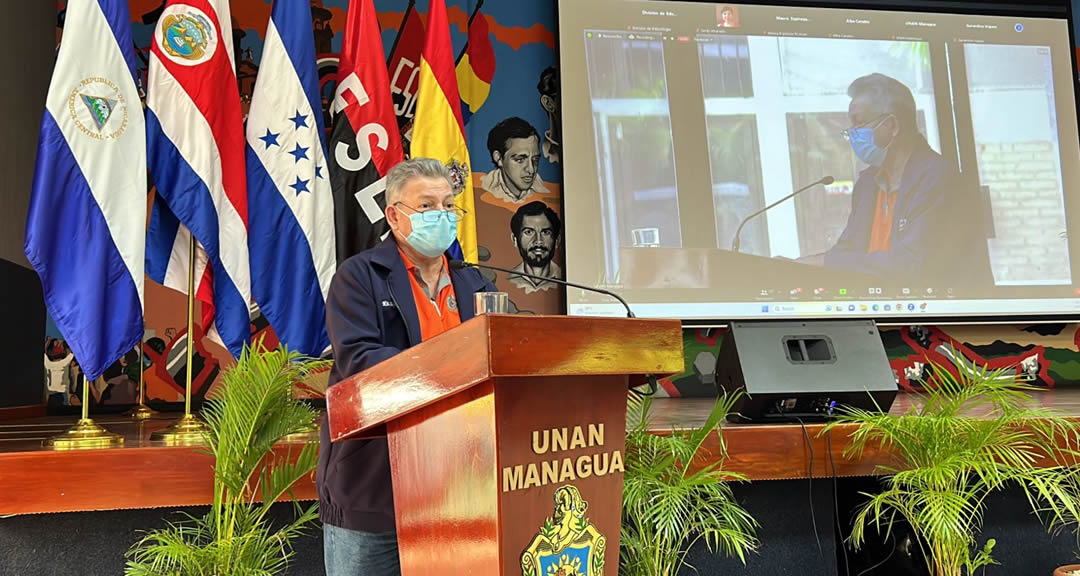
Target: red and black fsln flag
364	142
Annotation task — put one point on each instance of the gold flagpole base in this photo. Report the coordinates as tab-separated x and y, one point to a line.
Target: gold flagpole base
187	431
309	433
84	435
141	412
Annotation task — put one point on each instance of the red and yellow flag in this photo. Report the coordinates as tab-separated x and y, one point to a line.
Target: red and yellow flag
476	68
438	129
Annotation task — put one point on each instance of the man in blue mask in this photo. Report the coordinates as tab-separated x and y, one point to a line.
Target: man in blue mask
381	302
906	204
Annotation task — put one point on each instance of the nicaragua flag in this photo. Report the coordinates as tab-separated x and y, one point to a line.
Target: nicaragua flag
195	141
84	229
438	129
476	69
291	223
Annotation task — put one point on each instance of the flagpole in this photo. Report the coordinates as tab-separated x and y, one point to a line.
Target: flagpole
141	411
468	26
85	434
401	28
188	430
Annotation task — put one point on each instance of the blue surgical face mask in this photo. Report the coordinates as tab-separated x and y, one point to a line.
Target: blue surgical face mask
862	143
431	237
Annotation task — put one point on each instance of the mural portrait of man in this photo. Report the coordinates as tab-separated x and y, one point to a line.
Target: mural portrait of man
535	229
514	145
548	86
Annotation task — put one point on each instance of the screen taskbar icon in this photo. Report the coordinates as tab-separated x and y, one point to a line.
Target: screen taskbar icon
840	308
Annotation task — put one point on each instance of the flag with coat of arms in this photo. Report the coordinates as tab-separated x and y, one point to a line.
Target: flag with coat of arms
87	217
439	130
196	147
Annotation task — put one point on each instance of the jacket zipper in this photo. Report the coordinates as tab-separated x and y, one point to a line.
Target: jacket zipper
393	298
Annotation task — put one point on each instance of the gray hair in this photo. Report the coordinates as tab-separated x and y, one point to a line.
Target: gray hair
891	95
410	169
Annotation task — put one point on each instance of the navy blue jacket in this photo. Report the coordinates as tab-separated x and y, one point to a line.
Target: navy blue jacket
371	316
937	232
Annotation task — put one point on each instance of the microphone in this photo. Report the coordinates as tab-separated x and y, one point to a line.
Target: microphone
735	242
461	265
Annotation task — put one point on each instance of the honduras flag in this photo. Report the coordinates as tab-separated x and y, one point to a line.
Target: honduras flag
87	217
195	142
291	224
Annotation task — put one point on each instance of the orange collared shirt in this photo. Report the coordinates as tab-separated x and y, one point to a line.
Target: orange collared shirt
881	232
436	315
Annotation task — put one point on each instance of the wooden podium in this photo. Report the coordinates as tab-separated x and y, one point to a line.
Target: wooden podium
506	439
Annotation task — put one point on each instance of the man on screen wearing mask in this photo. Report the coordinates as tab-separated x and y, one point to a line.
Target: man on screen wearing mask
382	301
905	205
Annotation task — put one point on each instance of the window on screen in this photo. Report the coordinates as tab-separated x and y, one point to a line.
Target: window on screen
800	107
1016	143
628	86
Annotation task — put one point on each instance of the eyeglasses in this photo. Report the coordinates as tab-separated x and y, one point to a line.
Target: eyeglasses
875	121
454	215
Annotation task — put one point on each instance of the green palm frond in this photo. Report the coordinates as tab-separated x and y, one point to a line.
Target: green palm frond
967	435
248	414
669	504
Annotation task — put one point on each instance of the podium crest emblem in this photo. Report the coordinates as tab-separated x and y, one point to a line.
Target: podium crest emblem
567	544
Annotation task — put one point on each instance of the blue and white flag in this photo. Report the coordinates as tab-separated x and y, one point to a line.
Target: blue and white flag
85	230
291	211
195	143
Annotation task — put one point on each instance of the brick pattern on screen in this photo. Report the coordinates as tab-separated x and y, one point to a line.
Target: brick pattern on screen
1029	218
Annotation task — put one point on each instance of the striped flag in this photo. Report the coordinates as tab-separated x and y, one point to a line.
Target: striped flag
195	141
438	129
476	69
84	229
365	142
291	223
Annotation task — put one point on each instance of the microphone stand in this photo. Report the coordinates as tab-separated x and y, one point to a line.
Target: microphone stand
736	242
461	264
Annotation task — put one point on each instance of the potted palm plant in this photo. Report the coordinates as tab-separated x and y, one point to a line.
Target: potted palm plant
250	412
965	436
669	505
1065	513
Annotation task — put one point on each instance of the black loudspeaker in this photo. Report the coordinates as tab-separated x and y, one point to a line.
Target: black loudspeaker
792	371
22	337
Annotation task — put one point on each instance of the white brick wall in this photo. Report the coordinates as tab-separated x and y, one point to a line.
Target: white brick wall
1029	216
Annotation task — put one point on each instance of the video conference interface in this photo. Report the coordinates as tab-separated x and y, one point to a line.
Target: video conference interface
934	150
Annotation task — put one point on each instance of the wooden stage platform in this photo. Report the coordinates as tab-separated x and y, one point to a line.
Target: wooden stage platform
145	474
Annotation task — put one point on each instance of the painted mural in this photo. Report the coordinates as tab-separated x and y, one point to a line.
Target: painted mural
515	141
1045	355
514	138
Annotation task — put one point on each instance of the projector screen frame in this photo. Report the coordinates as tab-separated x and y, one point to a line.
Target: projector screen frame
1062	11
895	321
